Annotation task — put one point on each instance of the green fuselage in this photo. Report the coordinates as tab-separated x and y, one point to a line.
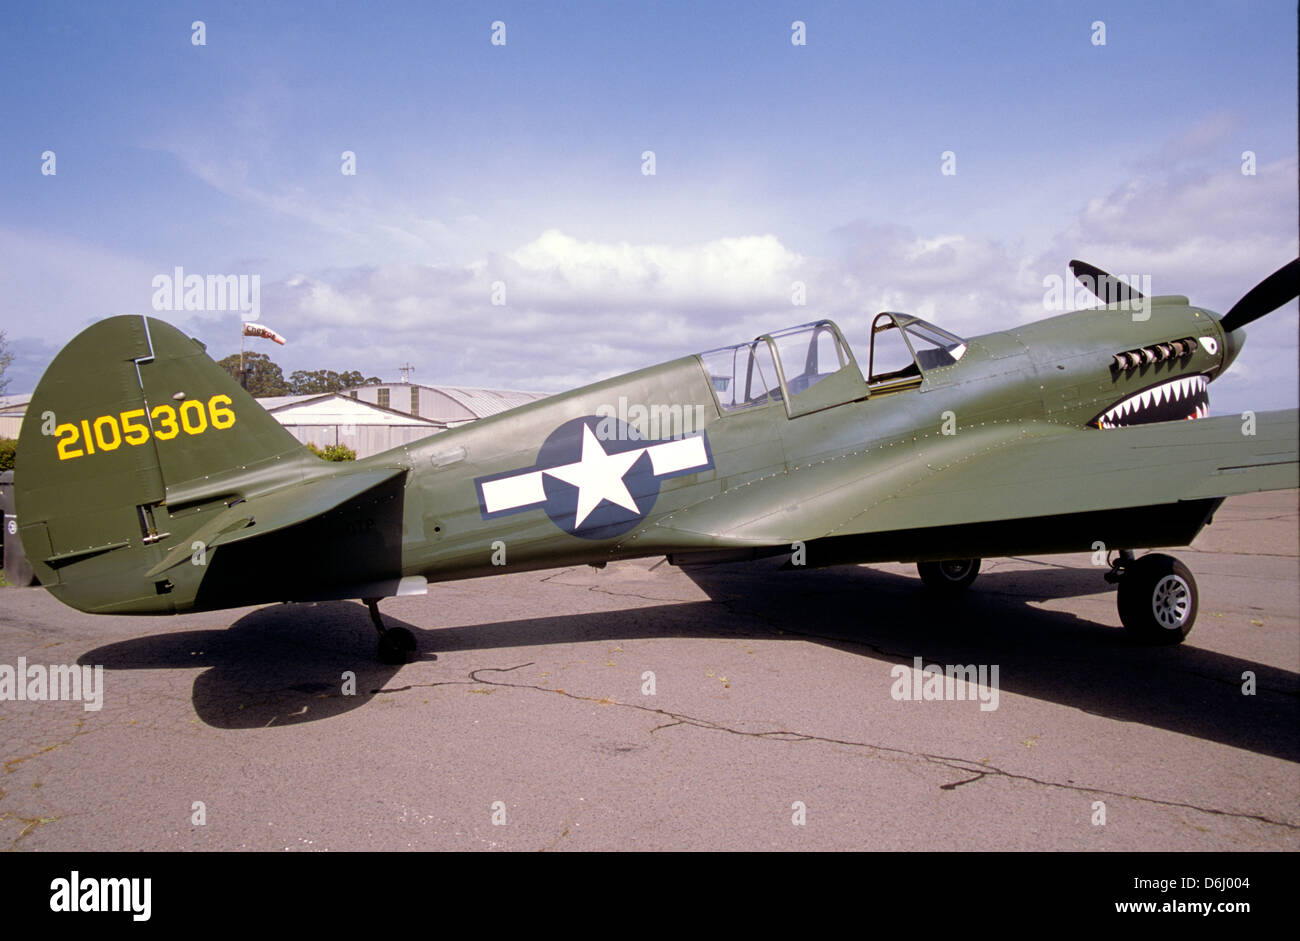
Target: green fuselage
236	513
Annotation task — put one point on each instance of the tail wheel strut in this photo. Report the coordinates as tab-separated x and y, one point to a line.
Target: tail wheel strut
396	644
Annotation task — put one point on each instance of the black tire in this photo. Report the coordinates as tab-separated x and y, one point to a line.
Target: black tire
950	576
1157	600
396	645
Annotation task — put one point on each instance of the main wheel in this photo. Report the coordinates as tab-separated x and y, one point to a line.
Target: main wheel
951	576
1157	599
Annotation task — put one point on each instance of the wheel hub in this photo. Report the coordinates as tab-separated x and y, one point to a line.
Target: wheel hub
1170	602
955	570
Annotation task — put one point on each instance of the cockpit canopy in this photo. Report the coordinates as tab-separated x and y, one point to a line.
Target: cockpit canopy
745	375
903	347
811	367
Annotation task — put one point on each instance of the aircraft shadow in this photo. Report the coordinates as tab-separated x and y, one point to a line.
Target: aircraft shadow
283	664
1050	655
1053	656
279	665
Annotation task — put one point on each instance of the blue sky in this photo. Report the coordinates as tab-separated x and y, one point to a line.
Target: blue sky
522	164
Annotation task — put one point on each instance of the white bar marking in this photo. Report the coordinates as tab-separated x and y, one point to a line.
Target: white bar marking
673	456
510	493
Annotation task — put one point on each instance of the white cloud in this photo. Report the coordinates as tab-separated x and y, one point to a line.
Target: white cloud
1212	237
575	310
752	271
580	310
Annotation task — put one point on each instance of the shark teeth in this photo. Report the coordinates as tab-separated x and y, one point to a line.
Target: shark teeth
1185	397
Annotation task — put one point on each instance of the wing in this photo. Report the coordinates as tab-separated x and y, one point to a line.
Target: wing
1002	489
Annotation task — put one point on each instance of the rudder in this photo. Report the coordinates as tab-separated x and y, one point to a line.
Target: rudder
134	435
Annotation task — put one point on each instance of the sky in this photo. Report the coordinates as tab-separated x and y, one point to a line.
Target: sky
501	227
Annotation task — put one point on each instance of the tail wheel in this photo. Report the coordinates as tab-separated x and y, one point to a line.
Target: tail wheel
1157	600
950	576
396	645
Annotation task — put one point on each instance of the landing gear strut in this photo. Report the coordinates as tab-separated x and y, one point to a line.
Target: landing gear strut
1157	597
396	644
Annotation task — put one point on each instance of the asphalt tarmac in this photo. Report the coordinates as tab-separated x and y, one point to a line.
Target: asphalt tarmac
643	707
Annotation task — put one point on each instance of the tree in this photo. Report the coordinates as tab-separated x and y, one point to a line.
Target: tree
264	376
311	382
5	359
267	378
351	379
8	448
333	452
319	381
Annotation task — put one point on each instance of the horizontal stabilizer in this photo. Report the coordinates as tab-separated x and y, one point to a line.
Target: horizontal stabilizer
276	510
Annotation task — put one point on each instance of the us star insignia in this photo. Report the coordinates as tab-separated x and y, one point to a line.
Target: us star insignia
590	487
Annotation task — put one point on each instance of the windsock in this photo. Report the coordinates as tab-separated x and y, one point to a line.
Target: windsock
257	330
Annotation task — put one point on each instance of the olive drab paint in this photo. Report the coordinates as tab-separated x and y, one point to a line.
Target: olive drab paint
992	447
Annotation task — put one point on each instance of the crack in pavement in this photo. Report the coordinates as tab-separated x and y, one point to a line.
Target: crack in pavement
604	590
1235	682
30	824
1188	550
1247	518
964	765
1040	562
956	784
11	765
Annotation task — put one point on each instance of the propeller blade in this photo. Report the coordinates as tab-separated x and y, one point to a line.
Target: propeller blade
1277	289
1108	288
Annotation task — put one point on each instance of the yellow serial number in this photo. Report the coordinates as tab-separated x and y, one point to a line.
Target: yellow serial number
110	432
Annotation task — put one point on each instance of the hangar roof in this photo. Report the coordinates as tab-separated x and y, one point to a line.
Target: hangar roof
333	408
485	402
453	405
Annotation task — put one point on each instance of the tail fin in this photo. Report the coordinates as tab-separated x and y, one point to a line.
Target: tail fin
133	437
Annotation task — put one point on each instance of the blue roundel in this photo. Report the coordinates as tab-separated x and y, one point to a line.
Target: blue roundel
565	446
596	478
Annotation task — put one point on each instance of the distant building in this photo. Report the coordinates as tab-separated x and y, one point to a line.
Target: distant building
447	405
12	410
367	419
330	418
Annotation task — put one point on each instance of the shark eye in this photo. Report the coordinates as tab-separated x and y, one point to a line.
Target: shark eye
1211	345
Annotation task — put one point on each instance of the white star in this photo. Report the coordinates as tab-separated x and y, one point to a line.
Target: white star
598	476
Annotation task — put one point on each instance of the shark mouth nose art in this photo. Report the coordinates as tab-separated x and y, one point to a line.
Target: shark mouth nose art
1186	397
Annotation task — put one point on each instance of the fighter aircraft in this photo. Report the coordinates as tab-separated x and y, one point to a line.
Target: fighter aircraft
148	482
